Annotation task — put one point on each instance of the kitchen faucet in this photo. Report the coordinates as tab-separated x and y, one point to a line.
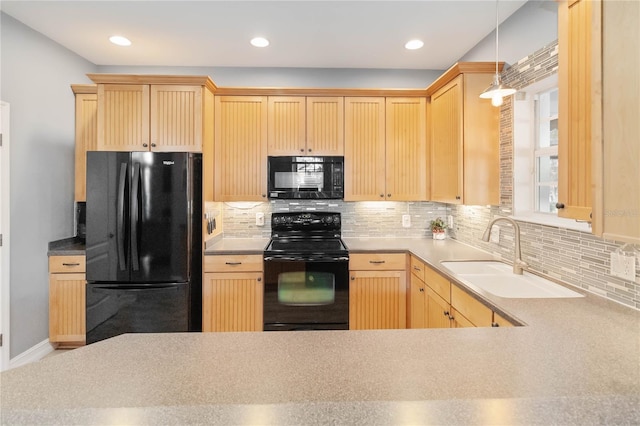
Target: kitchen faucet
518	263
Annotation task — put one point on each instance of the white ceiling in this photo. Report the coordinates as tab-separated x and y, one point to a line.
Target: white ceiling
318	34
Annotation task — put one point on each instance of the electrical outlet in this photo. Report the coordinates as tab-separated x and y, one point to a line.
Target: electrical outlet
260	219
450	221
623	266
406	221
495	234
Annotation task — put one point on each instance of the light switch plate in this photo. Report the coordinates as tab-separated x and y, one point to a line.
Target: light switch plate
260	219
450	221
406	221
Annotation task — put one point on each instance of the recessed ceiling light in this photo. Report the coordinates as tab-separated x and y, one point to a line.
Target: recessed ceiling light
120	40
413	44
259	42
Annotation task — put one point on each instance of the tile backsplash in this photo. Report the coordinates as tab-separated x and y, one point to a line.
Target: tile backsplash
359	219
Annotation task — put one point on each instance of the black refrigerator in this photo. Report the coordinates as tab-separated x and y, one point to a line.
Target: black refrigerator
143	243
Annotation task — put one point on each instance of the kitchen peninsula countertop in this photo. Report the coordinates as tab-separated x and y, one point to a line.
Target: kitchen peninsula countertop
575	362
72	246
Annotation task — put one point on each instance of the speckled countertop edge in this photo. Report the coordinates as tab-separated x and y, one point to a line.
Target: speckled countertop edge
72	246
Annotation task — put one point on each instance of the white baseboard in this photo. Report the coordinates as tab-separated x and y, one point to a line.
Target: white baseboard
33	354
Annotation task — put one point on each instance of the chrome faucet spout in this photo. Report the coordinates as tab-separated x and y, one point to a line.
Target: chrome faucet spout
518	264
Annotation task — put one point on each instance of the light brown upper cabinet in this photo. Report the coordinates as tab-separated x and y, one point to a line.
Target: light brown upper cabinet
464	139
153	113
575	117
386	155
616	128
301	125
240	148
86	96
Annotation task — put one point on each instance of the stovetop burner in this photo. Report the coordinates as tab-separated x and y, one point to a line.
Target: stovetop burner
306	233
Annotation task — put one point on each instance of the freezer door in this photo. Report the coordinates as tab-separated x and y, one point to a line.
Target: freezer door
108	195
160	225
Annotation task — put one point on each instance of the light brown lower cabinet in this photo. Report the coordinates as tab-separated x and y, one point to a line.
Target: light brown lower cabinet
232	296
67	296
435	302
377	291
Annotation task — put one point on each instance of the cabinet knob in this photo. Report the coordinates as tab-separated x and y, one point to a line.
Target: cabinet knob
153	145
421	290
145	145
559	205
458	197
388	195
309	149
381	195
259	279
446	313
451	317
264	195
301	149
353	278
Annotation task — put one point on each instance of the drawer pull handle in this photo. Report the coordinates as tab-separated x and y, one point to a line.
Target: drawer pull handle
416	268
70	264
233	263
376	261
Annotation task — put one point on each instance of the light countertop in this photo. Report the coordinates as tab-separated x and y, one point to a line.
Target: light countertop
576	361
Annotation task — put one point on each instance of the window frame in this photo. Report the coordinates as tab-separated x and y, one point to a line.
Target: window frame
525	154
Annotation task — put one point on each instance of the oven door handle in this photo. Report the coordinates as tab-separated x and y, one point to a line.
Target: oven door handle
306	259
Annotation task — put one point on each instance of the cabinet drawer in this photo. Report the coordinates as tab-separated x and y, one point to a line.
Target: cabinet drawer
233	263
438	283
67	264
417	267
377	261
472	309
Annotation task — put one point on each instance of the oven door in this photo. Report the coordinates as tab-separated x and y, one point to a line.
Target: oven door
306	294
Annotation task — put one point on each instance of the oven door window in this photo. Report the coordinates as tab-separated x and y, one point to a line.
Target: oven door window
305	288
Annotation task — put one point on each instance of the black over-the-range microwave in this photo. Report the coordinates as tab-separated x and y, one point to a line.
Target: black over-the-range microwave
306	177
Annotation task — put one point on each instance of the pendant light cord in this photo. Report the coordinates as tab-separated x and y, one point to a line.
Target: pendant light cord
496	37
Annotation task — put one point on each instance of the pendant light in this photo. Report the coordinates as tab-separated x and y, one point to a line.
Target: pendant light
497	90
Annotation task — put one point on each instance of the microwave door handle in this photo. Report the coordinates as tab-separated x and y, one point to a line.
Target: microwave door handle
122	181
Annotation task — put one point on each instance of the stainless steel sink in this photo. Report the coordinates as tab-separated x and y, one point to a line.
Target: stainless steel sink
498	279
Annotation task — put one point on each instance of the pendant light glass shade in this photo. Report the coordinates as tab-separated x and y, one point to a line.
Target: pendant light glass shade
497	90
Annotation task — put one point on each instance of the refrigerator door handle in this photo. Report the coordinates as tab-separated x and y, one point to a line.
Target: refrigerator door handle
120	217
135	219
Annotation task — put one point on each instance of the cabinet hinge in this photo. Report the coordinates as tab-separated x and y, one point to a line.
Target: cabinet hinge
0	240
0	339
0	139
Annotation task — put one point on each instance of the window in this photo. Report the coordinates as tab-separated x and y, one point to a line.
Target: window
546	151
535	155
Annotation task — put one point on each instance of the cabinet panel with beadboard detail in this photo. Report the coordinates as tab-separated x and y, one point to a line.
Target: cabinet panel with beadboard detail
232	301
86	136
67	299
240	148
176	118
325	125
123	117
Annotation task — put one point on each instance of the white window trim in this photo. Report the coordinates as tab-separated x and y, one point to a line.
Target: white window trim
524	161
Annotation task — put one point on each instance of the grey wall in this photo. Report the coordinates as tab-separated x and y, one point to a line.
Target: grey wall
532	26
36	75
296	77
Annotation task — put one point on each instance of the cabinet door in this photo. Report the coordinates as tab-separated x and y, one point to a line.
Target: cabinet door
67	293
616	143
500	321
287	130
123	117
406	149
446	143
377	300
232	301
459	321
477	313
240	148
325	125
176	118
438	310
86	138
364	149
418	303
574	108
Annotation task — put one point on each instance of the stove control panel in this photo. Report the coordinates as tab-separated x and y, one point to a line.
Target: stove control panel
328	221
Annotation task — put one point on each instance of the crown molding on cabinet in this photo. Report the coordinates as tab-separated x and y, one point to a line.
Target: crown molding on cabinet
90	89
192	80
462	68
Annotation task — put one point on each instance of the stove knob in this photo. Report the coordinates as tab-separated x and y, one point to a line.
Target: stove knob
328	219
336	219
